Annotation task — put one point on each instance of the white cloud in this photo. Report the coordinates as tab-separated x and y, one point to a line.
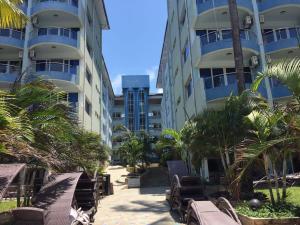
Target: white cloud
117	84
153	72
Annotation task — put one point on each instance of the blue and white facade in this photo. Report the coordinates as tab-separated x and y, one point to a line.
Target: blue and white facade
137	109
197	68
62	42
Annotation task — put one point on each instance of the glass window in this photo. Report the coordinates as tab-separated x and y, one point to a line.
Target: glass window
75	3
268	36
243	34
218	75
88	76
88	107
293	33
206	75
203	36
248	76
73	66
212	36
16	34
42	31
40	65
14	66
231	75
3	66
4	32
53	31
74	33
281	34
56	65
226	34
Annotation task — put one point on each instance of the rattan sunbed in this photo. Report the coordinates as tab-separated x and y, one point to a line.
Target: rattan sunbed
183	187
206	213
63	192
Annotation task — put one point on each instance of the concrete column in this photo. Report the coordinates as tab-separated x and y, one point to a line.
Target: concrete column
263	62
204	169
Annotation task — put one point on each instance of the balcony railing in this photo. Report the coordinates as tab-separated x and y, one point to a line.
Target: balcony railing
223	80
221	35
8	72
11	33
70	2
275	35
69	33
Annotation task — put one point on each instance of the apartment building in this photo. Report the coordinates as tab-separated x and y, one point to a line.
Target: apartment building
62	42
197	69
136	108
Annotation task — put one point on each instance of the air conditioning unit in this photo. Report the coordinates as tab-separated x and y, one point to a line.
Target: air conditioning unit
20	54
32	54
248	22
151	125
122	115
35	20
254	61
150	114
261	19
268	59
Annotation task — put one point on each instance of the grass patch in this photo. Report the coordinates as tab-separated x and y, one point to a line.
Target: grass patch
8	205
282	210
293	195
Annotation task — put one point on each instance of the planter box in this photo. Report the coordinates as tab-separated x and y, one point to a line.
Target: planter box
5	218
268	221
134	181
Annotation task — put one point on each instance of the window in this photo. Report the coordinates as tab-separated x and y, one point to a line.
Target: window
89	18
117	115
157	126
88	107
89	48
188	87
3	66
186	51
156	113
88	76
131	111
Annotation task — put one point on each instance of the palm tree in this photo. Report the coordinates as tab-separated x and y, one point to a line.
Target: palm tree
10	15
171	146
287	72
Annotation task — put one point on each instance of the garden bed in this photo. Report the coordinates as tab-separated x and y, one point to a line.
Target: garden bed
268	221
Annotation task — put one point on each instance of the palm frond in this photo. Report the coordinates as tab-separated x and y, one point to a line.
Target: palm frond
10	15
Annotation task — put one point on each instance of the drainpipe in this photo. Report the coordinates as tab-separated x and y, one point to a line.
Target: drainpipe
262	51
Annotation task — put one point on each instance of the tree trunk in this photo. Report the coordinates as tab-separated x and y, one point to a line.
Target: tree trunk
266	166
276	182
237	47
284	172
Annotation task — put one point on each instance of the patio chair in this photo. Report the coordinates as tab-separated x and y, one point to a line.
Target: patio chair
183	187
28	216
206	213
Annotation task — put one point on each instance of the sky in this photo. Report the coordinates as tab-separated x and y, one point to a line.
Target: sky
134	42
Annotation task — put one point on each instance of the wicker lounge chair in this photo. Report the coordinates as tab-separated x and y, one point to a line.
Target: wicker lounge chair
183	187
206	213
29	216
55	200
8	172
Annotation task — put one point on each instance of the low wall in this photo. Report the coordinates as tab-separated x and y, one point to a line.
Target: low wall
268	221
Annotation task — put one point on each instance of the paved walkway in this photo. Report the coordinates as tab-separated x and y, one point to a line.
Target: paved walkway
145	206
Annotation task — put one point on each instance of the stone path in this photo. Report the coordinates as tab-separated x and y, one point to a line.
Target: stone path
145	206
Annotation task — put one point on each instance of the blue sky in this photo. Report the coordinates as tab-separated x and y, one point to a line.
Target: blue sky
133	44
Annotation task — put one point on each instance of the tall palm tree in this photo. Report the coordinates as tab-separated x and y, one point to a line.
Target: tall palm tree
10	15
237	47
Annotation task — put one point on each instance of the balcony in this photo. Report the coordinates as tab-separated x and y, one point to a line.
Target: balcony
8	73
215	12
61	42
11	39
216	47
279	90
283	42
64	75
53	12
221	86
279	13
